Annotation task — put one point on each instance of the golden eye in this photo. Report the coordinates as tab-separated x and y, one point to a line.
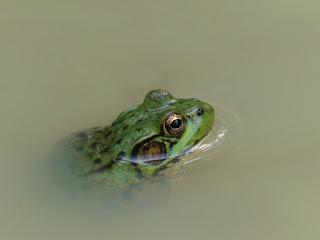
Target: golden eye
174	124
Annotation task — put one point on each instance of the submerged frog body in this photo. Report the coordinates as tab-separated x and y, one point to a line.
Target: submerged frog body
142	144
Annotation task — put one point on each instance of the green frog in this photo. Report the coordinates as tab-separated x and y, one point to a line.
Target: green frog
143	144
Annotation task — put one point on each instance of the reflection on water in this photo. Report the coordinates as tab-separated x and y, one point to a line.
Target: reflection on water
226	123
67	66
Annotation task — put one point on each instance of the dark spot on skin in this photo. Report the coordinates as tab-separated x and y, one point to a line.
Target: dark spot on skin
81	134
105	150
175	160
125	127
200	111
120	156
140	120
162	167
79	148
94	144
90	154
97	161
138	129
145	111
170	104
104	168
108	133
119	141
137	169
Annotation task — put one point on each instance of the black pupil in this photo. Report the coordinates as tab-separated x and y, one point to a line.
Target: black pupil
176	123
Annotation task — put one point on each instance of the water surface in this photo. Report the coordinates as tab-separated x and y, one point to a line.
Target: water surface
66	66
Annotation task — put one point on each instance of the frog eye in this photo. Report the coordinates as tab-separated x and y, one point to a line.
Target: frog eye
174	124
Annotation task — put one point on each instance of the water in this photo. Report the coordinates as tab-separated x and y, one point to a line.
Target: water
66	66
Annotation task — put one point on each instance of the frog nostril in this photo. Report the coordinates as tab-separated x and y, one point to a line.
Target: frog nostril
200	111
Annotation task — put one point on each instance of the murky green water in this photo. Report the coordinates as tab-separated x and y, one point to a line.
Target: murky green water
69	65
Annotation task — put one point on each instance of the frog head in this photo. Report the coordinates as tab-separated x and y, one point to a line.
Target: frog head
171	126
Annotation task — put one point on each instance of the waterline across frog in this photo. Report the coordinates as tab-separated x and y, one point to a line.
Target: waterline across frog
143	143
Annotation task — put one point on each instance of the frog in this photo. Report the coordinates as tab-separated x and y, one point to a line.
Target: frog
144	144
